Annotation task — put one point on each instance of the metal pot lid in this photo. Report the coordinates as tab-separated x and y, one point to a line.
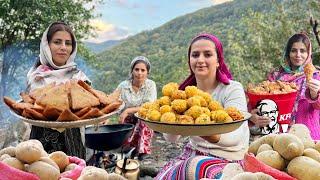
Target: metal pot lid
132	164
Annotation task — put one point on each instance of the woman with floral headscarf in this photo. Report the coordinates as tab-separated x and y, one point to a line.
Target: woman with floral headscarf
135	91
206	156
307	105
58	50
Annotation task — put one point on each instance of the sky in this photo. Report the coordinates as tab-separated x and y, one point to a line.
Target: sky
122	18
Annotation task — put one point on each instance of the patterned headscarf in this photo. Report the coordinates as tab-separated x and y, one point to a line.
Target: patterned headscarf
134	62
285	64
223	74
48	72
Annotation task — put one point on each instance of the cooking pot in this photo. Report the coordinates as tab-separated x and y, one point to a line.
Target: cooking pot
107	137
128	168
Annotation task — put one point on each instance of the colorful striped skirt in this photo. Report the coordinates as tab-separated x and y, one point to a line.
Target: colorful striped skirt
193	165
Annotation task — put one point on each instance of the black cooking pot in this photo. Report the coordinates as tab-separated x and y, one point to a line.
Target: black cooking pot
107	137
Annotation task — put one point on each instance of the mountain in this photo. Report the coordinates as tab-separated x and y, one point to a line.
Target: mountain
253	33
100	47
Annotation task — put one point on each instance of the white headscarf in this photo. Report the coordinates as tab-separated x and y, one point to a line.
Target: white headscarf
49	72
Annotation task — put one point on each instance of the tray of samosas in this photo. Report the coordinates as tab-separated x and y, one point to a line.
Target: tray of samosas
191	112
66	105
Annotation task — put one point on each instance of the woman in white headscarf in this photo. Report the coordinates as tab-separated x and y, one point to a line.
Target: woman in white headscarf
135	91
58	50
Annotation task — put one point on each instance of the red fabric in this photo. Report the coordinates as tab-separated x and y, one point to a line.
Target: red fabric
251	164
75	173
10	173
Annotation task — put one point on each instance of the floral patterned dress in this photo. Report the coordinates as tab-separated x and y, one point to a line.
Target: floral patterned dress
142	134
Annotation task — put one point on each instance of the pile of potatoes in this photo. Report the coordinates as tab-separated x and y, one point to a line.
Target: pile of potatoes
30	156
294	152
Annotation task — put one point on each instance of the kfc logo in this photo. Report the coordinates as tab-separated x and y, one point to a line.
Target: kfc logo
268	108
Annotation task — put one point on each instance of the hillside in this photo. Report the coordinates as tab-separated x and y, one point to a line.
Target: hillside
100	47
258	35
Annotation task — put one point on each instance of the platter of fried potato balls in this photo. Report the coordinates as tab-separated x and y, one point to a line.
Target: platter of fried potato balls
189	112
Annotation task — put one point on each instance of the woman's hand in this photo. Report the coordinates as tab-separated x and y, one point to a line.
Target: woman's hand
259	121
123	116
314	86
212	138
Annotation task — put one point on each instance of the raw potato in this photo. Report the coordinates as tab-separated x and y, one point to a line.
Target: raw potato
70	167
50	161
44	170
312	153
14	162
272	158
263	176
303	133
8	150
4	156
231	170
317	146
304	168
268	139
60	158
288	146
246	176
93	173
264	147
36	142
28	152
114	176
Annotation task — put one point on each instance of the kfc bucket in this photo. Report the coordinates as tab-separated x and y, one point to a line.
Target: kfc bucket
276	106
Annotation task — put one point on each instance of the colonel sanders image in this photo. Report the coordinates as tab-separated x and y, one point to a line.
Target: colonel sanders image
269	108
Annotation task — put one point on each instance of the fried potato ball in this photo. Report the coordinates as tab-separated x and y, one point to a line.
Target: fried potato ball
179	105
185	119
191	91
143	112
153	115
146	105
194	112
220	116
194	101
165	108
168	117
203	119
168	89
203	102
215	105
178	94
164	100
206	111
234	113
206	96
154	106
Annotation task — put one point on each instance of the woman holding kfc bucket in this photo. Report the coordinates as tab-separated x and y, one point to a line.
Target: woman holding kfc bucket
296	67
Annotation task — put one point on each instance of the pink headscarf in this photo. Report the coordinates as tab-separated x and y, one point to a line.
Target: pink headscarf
223	74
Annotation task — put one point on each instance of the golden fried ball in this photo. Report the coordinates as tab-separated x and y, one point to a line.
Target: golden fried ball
146	105
143	112
206	111
168	89
234	113
185	119
191	91
178	94
179	105
220	116
206	96
194	112
168	117
203	119
165	100
154	106
215	105
194	101
153	115
165	108
203	102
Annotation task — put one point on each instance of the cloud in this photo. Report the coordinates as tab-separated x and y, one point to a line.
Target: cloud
105	32
126	4
215	2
